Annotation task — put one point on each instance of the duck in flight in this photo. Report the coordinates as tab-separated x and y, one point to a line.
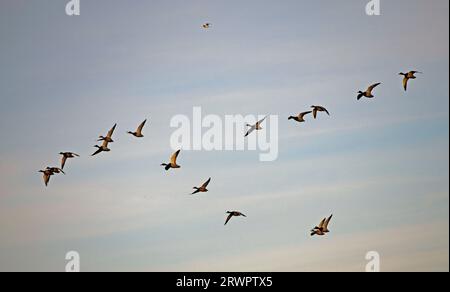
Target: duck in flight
407	76
318	108
203	188
173	161
206	25
368	93
232	214
255	127
103	148
65	156
322	229
301	117
108	137
138	133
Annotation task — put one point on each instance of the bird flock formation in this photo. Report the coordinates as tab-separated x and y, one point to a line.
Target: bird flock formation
320	230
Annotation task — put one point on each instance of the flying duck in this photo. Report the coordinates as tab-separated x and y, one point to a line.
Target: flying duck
232	214
407	76
255	127
108	137
206	25
368	92
138	133
65	156
173	161
322	229
300	118
203	188
318	108
103	148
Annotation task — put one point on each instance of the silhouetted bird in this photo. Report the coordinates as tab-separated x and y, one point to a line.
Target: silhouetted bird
232	214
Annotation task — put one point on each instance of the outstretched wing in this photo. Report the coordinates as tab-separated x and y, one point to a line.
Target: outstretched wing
250	131
111	132
322	223
302	115
228	218
46	179
206	183
173	159
325	110
405	83
372	87
327	222
141	126
63	161
97	152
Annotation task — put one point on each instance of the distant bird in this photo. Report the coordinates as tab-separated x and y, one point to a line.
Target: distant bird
65	156
138	133
56	170
103	148
108	137
232	214
322	229
46	175
407	76
173	161
206	25
318	108
203	188
300	118
255	127
368	92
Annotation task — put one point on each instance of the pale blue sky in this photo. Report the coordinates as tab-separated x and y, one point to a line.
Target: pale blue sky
380	166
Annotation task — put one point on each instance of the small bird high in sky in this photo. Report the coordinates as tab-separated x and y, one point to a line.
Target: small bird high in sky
206	25
203	188
318	108
173	161
255	127
300	118
232	214
138	133
65	156
407	76
322	229
368	92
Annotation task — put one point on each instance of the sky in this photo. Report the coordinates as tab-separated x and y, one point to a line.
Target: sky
380	166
